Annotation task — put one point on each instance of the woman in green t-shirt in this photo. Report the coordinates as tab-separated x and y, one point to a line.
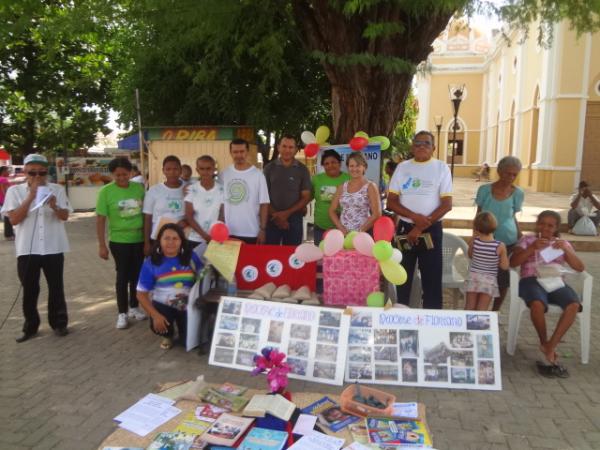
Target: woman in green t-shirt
120	202
324	186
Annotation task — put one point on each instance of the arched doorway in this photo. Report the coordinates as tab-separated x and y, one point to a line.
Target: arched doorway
535	118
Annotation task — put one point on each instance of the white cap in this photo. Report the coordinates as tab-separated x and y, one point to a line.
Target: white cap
35	158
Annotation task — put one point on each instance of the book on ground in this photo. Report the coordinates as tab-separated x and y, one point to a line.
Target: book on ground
227	430
276	405
192	425
178	440
317	441
231	402
209	413
264	439
228	388
395	432
330	414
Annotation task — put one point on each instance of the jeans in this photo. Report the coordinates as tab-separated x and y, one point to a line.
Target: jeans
291	236
173	316
28	269
430	266
128	262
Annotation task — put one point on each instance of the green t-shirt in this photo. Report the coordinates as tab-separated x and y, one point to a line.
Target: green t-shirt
123	208
323	190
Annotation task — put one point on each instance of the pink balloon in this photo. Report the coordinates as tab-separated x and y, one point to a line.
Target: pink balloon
363	243
334	242
308	253
383	229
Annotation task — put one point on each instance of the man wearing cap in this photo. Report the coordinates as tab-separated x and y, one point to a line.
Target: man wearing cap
38	210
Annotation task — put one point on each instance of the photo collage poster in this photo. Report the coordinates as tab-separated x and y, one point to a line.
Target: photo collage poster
429	348
313	338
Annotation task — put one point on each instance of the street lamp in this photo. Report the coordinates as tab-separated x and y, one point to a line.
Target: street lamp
438	121
456	94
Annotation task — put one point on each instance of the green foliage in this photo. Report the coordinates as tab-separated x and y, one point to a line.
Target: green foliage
405	130
54	71
221	62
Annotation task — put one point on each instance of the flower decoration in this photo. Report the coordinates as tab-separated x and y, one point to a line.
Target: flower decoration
271	361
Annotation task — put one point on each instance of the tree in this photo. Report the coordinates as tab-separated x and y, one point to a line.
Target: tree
401	140
219	62
54	72
370	49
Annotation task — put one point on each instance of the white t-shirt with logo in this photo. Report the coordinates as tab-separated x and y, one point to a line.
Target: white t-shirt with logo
163	201
245	191
421	185
206	207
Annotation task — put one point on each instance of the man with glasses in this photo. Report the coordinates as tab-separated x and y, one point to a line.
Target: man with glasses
420	193
38	210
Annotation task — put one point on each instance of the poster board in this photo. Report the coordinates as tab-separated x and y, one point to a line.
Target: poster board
371	152
313	338
428	348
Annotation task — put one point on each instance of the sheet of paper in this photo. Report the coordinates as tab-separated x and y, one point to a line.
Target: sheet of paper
42	194
147	414
408	410
224	257
147	425
550	253
317	441
305	424
356	446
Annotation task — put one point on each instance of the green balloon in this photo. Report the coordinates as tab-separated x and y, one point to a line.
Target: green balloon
376	299
361	134
383	141
349	240
322	245
382	250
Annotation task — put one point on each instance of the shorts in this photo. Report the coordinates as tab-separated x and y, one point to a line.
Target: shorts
483	283
530	290
504	275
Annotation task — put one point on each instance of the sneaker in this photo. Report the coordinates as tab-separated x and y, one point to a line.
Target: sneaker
137	314
122	321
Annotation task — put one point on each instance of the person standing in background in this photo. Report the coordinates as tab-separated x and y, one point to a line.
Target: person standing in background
9	234
120	203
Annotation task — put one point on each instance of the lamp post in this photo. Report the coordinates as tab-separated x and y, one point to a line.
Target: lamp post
456	94
438	121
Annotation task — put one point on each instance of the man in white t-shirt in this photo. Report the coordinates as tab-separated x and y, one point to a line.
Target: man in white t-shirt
246	204
163	202
420	193
583	203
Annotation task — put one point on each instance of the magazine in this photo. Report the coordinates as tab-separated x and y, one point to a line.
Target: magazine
178	440
231	402
209	413
227	430
264	439
394	432
228	388
192	425
330	414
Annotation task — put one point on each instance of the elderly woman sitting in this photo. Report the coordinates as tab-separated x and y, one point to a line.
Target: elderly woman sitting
166	279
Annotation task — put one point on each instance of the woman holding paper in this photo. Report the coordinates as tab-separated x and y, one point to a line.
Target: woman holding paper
532	253
166	279
120	204
504	200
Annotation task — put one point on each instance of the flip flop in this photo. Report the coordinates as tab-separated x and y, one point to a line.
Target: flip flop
166	343
560	371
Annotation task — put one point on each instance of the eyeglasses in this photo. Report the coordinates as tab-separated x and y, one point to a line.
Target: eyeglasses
421	143
34	173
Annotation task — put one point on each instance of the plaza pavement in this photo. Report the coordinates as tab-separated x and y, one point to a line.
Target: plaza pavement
62	393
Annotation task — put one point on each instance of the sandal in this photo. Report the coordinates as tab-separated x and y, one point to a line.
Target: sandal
545	370
560	371
166	343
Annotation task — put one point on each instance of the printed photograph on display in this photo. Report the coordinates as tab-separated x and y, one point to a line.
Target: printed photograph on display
446	349
315	339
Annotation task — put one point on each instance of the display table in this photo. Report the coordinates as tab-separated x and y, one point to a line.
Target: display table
124	438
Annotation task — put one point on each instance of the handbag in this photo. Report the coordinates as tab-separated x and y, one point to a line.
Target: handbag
584	227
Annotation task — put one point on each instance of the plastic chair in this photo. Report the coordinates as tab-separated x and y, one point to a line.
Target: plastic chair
518	307
451	277
309	217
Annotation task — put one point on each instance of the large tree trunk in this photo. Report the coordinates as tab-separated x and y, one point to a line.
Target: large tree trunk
367	97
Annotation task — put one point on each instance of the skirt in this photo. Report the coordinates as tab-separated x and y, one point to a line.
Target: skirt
482	283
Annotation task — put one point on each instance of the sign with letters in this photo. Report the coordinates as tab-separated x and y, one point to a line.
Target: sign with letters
420	347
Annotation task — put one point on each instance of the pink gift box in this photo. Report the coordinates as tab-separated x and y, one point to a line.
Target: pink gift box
348	278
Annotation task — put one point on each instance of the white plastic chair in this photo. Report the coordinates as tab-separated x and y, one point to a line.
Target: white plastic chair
451	277
518	307
309	217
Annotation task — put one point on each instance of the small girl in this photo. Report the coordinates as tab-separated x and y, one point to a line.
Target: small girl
486	255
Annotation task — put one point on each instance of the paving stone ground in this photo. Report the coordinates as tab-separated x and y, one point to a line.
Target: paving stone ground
61	393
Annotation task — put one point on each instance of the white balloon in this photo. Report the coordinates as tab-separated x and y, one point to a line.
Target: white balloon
308	137
397	255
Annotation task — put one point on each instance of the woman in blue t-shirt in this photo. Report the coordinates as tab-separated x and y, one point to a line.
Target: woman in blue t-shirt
166	278
504	200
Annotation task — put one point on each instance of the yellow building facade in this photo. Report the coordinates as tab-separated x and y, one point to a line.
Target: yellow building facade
539	104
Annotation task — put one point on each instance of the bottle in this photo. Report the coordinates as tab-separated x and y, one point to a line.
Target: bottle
232	288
